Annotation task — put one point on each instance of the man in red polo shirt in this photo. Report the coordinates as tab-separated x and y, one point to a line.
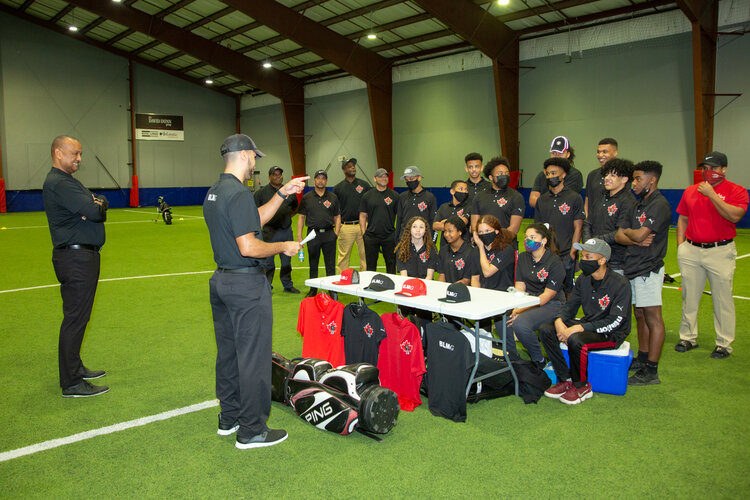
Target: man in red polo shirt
708	213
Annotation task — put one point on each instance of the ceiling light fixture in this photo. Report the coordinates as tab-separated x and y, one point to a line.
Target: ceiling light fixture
72	28
503	2
266	64
209	81
372	36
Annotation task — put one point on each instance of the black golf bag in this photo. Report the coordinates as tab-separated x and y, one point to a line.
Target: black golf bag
338	400
165	210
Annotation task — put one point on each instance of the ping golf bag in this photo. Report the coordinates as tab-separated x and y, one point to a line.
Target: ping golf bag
165	210
338	400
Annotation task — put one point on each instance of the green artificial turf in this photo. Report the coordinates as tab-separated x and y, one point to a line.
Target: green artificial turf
684	438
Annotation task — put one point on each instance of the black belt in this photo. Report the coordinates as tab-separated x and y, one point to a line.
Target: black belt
320	230
710	245
81	247
350	222
242	270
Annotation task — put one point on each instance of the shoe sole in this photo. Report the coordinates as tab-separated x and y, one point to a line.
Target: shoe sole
85	395
650	382
581	399
553	396
723	356
228	432
247	446
94	378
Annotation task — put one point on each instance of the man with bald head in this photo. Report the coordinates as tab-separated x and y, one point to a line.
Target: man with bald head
76	223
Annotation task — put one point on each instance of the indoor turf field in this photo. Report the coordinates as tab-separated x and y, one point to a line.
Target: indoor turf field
151	330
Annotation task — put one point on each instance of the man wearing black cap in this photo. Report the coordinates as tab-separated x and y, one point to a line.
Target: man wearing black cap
76	223
501	201
279	228
349	192
709	212
241	295
416	200
560	148
377	214
320	209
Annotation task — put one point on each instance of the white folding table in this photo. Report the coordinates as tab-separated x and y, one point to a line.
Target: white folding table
484	304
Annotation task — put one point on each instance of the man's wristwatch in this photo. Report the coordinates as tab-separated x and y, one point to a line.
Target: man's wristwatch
283	196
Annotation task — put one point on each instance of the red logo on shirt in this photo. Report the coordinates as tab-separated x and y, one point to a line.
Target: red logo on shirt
542	274
491	256
360	189
422	206
368	330
423	256
332	327
388	200
502	202
564	208
642	218
612	209
460	264
460	213
406	347
604	302
327	204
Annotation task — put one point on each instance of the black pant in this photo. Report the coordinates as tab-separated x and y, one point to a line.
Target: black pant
243	323
78	274
327	243
373	246
272	235
579	346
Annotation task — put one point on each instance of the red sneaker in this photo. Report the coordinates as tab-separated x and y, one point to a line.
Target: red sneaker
557	390
576	395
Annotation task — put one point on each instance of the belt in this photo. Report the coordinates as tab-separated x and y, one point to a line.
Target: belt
321	230
351	222
242	270
80	247
710	245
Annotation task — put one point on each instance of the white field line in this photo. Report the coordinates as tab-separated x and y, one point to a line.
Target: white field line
102	431
158	214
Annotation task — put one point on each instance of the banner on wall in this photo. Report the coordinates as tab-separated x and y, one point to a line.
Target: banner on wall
153	127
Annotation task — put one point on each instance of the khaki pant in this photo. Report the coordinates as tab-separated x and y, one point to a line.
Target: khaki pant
348	235
717	264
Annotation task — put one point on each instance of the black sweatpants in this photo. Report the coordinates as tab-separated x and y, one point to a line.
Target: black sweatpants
325	242
77	271
579	346
373	246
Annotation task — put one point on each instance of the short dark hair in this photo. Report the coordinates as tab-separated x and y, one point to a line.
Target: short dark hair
649	167
618	166
473	156
494	162
457	182
561	162
457	222
608	140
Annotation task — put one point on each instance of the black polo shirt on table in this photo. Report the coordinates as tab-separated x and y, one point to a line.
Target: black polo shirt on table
560	211
502	203
411	204
282	219
448	209
573	181
458	265
319	211
380	207
505	262
606	215
66	200
418	263
350	196
480	187
547	273
655	213
363	331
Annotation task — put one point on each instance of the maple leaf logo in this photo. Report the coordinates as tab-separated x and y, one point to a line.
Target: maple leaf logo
542	274
388	200
642	218
460	264
491	256
332	326
368	330
612	209
406	347
564	208
423	256
422	206
460	213
360	189
327	204
604	302
502	202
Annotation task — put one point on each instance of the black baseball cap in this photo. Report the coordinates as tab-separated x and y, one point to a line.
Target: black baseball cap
714	159
559	144
380	283
274	169
239	142
321	172
353	161
456	292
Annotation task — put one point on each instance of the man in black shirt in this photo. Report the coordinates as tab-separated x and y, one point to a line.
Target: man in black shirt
414	201
241	295
605	151
605	298
76	224
560	148
505	203
377	215
458	206
320	209
644	267
350	192
475	183
279	228
458	261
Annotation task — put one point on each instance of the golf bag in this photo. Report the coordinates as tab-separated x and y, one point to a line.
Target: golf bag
338	400
165	210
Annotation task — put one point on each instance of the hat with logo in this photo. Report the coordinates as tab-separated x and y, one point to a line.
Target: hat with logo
413	288
380	283
239	142
595	245
348	277
559	144
411	172
321	172
456	292
381	172
274	169
353	161
714	159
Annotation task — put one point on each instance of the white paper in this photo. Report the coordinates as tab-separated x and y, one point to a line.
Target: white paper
310	236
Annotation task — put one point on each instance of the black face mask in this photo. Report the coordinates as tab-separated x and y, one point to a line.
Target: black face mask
502	181
553	181
412	185
461	197
589	267
487	238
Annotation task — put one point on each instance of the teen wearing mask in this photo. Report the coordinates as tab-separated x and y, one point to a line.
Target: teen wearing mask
459	206
497	254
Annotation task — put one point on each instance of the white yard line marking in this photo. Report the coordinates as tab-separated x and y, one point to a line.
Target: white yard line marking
159	214
102	431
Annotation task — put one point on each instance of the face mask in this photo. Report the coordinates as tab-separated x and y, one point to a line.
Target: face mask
712	177
412	185
461	197
487	238
502	181
553	181
531	245
643	194
589	267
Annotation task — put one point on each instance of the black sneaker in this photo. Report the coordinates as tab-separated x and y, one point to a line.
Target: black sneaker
312	293
720	352
92	374
227	426
267	438
644	377
291	289
84	390
636	364
684	346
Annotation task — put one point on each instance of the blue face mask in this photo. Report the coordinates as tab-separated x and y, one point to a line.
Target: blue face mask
531	245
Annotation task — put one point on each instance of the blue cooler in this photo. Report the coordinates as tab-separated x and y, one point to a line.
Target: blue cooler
608	369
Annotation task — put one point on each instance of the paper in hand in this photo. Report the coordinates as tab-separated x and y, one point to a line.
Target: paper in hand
310	236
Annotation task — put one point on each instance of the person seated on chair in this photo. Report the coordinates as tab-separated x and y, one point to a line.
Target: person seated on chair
416	254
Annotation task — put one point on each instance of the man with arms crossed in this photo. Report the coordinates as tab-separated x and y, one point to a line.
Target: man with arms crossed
350	192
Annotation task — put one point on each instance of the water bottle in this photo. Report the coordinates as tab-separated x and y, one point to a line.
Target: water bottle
301	254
